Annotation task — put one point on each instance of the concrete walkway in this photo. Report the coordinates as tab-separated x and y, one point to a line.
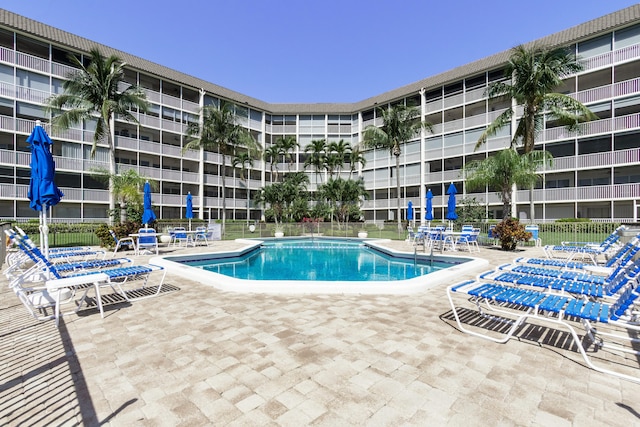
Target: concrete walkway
197	356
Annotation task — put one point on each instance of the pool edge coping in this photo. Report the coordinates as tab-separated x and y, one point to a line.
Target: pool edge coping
293	287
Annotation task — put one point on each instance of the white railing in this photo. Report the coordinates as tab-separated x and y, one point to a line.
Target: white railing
453	125
63	163
189	106
475	94
626	53
192	177
597	61
627	122
170	199
473	121
7	123
148	172
32	95
450	101
32	62
211	179
433	106
90	165
23	158
171	100
7	55
8	157
627	87
171	150
152	95
173	126
149	121
7	90
592	95
190	154
171	174
62	70
126	142
149	147
9	191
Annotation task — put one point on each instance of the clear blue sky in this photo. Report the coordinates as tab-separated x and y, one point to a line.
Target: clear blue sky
312	51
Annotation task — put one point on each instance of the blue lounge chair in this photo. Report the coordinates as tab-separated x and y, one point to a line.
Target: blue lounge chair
586	250
576	283
43	269
511	307
623	255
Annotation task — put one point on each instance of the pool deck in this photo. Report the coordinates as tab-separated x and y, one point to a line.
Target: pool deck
196	356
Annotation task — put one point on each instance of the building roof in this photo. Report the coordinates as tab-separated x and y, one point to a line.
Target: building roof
73	42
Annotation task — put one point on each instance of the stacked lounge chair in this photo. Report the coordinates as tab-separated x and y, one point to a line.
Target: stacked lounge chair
44	285
585	250
609	318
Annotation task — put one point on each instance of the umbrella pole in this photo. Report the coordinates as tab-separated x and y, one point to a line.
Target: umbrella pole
40	228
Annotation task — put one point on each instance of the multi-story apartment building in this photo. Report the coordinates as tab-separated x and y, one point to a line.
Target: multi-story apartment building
595	174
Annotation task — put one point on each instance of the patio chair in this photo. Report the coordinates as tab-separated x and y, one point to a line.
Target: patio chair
202	235
506	309
469	240
127	243
181	237
147	240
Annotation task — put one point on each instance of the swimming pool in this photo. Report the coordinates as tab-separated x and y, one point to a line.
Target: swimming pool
323	260
302	265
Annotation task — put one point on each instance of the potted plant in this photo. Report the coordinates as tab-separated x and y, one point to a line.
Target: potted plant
362	233
279	231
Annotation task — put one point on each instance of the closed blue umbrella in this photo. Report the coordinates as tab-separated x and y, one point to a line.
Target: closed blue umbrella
410	211
189	213
428	215
43	192
451	204
147	215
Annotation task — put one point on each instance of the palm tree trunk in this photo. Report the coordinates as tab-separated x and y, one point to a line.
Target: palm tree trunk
112	165
223	172
398	192
532	210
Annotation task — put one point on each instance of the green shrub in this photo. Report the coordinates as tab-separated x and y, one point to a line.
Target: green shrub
573	220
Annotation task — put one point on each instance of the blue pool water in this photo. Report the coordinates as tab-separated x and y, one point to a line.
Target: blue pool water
320	260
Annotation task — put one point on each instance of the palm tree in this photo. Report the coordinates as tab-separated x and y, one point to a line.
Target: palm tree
536	73
336	155
343	196
287	144
273	195
504	169
220	132
355	158
400	124
317	158
244	161
94	93
126	187
272	156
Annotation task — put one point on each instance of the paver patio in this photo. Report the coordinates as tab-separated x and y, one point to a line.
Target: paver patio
198	356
